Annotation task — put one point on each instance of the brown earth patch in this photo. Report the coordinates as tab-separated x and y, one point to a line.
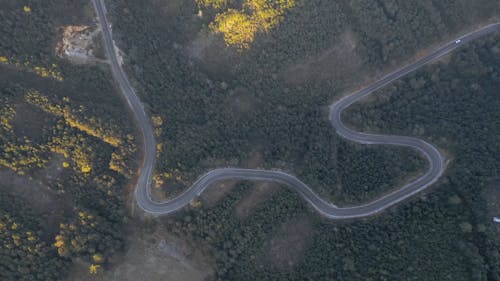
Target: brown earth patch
258	195
152	255
287	247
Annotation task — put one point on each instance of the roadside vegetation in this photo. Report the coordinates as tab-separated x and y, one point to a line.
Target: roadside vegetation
67	146
445	234
219	106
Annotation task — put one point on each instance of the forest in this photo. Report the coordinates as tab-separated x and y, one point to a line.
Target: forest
67	136
221	105
446	234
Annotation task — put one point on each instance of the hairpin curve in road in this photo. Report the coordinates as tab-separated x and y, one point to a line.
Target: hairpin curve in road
437	161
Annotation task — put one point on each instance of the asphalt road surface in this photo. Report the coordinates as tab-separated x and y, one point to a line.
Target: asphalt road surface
437	162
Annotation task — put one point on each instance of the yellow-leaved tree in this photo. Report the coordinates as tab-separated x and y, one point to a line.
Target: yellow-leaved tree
216	4
266	14
237	27
93	268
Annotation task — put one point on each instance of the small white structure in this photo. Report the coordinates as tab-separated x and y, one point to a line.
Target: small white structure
495	219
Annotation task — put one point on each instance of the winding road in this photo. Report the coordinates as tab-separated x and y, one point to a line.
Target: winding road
437	161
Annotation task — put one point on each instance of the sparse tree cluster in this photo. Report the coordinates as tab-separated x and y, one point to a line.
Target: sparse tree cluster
23	254
74	129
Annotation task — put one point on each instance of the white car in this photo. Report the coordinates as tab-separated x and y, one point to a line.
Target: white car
458	41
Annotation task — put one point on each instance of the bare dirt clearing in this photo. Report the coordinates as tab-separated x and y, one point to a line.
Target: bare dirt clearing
152	255
78	44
